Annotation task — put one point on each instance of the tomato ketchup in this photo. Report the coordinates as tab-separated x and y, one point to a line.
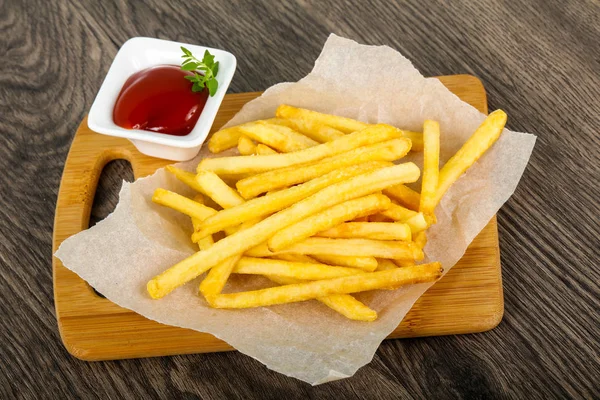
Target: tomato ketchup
159	99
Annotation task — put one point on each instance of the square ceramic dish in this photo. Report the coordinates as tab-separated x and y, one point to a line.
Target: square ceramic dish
140	53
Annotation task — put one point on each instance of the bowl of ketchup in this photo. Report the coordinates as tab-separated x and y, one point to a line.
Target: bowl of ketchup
146	98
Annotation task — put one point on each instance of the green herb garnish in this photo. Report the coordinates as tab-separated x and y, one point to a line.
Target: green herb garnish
208	68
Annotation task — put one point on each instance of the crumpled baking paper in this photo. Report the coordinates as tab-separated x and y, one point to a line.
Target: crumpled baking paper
305	340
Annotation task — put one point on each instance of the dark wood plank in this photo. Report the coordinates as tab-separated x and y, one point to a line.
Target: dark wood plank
539	60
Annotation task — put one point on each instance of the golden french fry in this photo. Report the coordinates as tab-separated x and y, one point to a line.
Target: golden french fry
431	166
398	213
310	290
254	164
186	177
346	247
383	264
484	137
314	130
263	150
263	133
417	223
365	263
254	185
292	134
207	241
368	230
328	218
217	276
182	204
405	196
421	239
219	191
243	240
290	269
271	203
346	125
416	138
344	304
246	146
224	139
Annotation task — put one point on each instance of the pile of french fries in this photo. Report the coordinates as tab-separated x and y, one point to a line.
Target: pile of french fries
319	208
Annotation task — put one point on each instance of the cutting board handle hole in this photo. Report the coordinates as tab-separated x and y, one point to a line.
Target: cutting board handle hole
107	190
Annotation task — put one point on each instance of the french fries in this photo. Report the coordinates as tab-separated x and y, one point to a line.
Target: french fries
327	219
368	230
246	146
314	130
254	164
219	191
277	201
483	138
293	135
264	133
254	185
182	204
405	196
346	247
310	290
290	269
431	165
186	177
336	219
368	264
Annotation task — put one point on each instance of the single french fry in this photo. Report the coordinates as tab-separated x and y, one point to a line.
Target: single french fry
243	240
346	247
217	276
416	138
421	239
264	150
383	264
224	139
219	191
484	137
207	241
368	230
314	130
398	213
263	133
310	290
431	166
246	146
405	196
292	134
182	204
344	304
290	269
346	125
186	177
328	218
417	223
254	164
368	264
274	202
254	185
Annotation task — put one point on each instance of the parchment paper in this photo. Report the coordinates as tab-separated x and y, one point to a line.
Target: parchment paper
305	340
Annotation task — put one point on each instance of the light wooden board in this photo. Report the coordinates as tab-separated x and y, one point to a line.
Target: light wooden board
468	299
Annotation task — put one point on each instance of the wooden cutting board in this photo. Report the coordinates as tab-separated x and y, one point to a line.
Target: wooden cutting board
468	299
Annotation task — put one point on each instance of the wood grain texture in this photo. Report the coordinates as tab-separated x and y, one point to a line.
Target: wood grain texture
539	61
467	300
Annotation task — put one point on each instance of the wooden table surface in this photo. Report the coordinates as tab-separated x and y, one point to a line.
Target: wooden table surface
539	61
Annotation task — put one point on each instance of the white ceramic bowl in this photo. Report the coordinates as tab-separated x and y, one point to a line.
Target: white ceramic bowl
140	53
